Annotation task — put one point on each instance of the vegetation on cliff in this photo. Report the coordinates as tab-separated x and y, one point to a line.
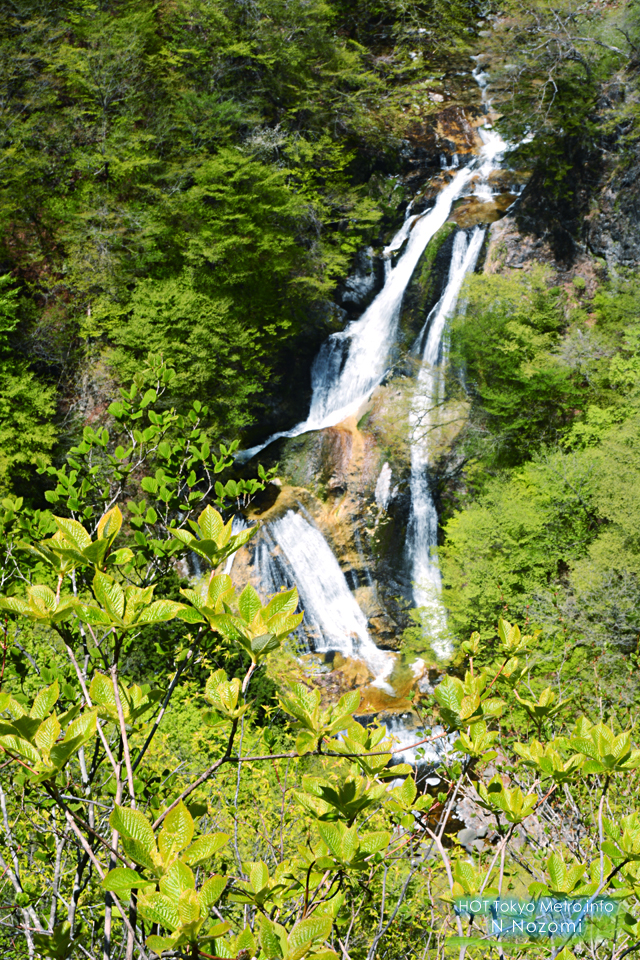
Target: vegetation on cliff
547	525
193	178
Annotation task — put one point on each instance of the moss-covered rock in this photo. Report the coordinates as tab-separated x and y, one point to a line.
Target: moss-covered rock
426	285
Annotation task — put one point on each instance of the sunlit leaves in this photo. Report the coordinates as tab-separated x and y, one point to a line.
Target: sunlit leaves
37	738
509	802
212	539
258	629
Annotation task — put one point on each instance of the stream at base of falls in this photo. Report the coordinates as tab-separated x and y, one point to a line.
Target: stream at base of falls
350	366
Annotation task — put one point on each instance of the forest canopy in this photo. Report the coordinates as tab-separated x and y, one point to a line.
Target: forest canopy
219	160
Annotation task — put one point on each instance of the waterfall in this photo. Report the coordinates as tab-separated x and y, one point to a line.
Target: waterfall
405	737
383	487
325	597
350	364
274	572
238	523
422	529
348	367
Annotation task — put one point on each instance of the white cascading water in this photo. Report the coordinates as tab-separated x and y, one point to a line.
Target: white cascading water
422	529
238	524
350	364
326	599
383	487
348	367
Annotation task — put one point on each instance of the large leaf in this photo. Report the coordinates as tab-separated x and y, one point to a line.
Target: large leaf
101	691
246	941
96	552
15	605
557	870
160	611
42	597
188	907
332	837
211	891
249	603
283	623
305	934
47	734
109	594
177	831
45	701
134	824
18	747
284	602
138	852
204	848
122	879
159	909
270	942
91	614
211	524
265	643
176	880
373	842
110	523
83	728
259	876
349	843
189	615
449	694
349	702
159	944
73	531
220	587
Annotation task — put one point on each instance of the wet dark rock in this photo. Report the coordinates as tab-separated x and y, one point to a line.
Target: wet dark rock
613	226
362	285
425	287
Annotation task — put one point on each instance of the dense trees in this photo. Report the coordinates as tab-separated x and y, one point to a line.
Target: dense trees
547	528
560	72
223	158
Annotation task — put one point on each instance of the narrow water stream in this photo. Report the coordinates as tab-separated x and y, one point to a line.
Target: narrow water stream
422	530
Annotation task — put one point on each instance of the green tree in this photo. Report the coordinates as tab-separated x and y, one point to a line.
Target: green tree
26	403
504	350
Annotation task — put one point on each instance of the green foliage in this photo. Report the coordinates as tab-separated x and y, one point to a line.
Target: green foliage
551	65
26	404
504	346
27	431
190	179
546	525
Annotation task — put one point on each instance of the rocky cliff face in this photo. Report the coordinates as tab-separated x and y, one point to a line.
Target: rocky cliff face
597	213
613	224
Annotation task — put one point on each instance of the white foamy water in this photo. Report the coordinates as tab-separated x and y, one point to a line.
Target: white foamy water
350	364
383	487
422	529
348	367
238	524
325	597
432	753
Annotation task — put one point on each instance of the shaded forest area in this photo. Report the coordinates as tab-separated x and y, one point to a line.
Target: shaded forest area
192	178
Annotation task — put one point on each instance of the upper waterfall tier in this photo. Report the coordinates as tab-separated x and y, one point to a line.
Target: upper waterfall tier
350	364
